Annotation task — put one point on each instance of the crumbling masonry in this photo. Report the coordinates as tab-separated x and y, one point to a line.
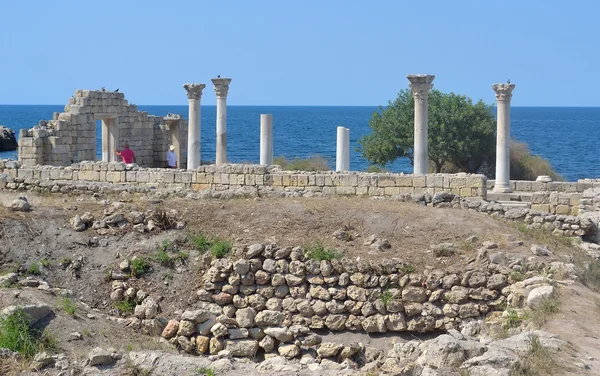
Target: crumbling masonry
70	137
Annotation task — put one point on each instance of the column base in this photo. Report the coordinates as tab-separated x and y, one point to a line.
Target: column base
502	189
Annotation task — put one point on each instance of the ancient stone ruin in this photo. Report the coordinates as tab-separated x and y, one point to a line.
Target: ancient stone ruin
70	137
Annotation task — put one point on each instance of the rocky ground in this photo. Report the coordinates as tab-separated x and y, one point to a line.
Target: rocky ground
62	260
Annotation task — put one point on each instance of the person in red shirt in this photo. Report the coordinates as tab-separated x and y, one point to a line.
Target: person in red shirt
127	154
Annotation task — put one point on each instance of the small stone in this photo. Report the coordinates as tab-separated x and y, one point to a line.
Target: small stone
77	224
540	250
329	349
100	357
444	250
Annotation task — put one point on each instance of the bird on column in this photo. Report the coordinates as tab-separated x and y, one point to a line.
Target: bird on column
508	81
116	91
218	76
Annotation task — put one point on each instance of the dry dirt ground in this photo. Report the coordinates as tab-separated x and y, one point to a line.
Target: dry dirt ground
45	234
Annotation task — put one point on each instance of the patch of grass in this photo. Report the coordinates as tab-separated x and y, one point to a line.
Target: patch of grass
544	236
205	371
67	305
538	361
515	276
512	320
34	269
135	370
407	269
125	305
313	163
386	297
590	275
220	248
317	251
466	246
45	263
65	262
201	242
139	266
18	336
546	308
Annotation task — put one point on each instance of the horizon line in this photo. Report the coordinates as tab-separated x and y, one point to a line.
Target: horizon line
284	105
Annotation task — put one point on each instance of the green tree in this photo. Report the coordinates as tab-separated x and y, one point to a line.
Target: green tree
461	133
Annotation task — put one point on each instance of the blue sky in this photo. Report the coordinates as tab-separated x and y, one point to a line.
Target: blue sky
304	52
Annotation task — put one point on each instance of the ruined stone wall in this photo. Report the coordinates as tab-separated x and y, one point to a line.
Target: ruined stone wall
251	180
70	137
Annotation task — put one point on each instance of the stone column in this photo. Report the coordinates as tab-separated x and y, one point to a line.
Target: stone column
221	89
194	93
420	84
342	152
503	96
266	139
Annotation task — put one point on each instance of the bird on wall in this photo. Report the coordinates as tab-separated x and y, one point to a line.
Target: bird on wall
218	76
103	89
116	91
508	81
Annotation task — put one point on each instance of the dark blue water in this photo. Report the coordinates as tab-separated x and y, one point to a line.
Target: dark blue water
569	137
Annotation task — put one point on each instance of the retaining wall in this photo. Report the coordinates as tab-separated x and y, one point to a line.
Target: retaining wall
253	179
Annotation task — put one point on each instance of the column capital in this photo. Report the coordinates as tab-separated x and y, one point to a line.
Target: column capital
221	86
194	91
420	85
503	91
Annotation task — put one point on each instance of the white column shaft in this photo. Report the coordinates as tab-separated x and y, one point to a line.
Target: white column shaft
106	150
221	130
421	137
503	148
266	139
342	154
193	160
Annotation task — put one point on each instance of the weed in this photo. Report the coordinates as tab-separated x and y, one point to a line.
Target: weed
134	370
65	262
18	336
125	305
467	246
162	219
129	348
386	297
537	361
201	242
139	266
591	275
317	251
205	371
512	319
407	269
34	269
544	236
45	263
68	306
547	307
515	276
220	248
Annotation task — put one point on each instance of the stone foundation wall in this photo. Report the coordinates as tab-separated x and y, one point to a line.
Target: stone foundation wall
252	179
70	137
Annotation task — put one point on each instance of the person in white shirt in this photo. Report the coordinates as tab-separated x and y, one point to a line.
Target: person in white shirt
171	157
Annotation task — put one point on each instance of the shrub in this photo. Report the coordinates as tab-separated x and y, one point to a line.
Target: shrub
547	307
139	266
318	252
515	276
34	269
406	269
201	242
220	248
18	336
68	306
125	305
45	263
525	166
313	163
512	319
538	361
376	168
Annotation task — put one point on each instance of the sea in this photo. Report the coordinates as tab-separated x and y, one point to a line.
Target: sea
569	137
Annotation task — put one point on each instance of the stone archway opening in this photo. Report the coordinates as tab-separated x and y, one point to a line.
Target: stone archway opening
172	122
109	137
